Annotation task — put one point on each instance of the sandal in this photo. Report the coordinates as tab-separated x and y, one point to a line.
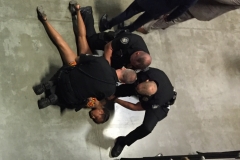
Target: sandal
72	7
41	14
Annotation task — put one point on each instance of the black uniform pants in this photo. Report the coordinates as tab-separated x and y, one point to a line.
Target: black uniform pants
132	10
95	40
64	91
151	118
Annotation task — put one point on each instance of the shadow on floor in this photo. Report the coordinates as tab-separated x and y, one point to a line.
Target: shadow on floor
232	62
102	141
108	6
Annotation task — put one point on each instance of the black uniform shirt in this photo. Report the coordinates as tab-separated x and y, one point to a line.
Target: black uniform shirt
164	92
93	77
124	46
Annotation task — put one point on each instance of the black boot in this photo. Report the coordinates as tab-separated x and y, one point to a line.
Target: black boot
39	89
44	102
103	24
118	147
87	9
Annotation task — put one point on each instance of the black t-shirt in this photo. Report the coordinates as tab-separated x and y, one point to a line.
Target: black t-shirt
92	77
124	46
164	92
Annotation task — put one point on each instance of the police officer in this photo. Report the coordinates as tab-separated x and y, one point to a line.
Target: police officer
124	49
90	77
155	102
152	9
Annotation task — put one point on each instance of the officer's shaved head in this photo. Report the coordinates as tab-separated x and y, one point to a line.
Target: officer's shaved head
129	76
147	88
140	60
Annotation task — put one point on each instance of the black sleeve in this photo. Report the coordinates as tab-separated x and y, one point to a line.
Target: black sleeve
125	90
122	42
180	10
151	104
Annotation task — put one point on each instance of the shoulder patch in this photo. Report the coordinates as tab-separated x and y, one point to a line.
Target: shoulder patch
155	106
124	40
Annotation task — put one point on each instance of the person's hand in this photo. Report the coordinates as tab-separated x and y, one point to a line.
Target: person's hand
94	103
91	102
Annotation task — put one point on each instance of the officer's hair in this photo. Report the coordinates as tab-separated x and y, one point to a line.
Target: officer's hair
105	116
148	88
129	76
143	59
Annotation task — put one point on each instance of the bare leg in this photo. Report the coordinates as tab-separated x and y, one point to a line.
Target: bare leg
82	40
67	54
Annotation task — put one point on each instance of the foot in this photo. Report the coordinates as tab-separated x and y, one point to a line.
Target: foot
39	89
103	23
73	7
41	14
44	102
142	30
118	147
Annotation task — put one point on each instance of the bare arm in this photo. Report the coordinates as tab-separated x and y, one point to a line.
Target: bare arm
129	105
108	52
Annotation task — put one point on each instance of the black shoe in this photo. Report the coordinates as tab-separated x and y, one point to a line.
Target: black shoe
87	9
44	102
118	147
103	23
120	26
39	89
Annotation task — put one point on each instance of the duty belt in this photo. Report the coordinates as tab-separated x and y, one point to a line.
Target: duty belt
171	101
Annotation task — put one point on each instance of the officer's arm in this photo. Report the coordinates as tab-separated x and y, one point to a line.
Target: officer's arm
108	52
129	105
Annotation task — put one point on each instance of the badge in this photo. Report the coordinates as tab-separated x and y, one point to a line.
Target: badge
155	106
124	40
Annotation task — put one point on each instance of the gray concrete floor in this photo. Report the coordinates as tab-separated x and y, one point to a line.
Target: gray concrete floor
201	59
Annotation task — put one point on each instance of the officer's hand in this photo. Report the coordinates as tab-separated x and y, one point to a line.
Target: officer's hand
91	102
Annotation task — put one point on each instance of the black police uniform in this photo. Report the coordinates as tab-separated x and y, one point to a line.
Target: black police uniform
91	77
152	9
156	106
124	45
